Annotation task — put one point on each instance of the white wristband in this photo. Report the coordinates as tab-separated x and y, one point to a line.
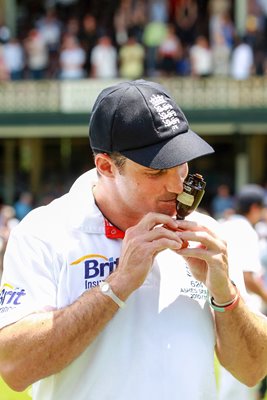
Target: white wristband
107	291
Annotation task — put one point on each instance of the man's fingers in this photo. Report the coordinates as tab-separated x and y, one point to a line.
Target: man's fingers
151	220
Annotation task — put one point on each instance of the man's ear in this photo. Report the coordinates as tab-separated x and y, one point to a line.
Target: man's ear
104	165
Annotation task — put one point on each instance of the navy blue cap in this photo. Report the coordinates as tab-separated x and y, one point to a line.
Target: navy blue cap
140	120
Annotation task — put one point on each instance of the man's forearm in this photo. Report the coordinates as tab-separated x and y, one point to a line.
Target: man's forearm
43	344
242	342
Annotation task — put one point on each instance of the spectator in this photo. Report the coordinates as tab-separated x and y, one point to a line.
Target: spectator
37	54
138	19
259	54
88	37
201	57
14	57
50	27
121	22
7	222
185	14
23	205
170	52
255	21
157	10
242	60
4	73
220	56
183	66
256	29
223	203
104	59
71	59
131	59
154	34
72	27
5	33
221	25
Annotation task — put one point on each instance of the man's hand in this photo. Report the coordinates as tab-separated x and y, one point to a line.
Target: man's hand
207	259
142	242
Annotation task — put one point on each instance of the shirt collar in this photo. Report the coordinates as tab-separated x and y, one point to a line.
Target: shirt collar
112	232
85	213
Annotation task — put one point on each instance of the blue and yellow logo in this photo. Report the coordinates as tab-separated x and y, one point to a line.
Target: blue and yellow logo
96	268
11	295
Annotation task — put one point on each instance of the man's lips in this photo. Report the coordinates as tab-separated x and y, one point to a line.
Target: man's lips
169	200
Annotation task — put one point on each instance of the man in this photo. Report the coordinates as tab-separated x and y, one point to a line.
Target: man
244	253
99	299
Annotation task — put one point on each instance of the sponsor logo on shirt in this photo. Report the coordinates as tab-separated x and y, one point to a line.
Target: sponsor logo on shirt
96	268
10	297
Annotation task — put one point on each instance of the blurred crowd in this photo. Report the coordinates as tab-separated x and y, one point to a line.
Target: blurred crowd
145	38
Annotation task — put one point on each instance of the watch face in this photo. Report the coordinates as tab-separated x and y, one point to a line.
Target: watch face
105	287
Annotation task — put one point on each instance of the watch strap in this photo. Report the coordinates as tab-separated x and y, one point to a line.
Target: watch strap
111	294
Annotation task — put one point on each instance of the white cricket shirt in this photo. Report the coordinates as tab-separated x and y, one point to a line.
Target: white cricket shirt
161	346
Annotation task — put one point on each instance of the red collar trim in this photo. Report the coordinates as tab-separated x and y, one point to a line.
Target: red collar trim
112	232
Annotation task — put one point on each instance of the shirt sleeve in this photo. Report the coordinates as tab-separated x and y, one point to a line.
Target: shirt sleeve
28	282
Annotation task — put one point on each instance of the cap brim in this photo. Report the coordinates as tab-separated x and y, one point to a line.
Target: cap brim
172	152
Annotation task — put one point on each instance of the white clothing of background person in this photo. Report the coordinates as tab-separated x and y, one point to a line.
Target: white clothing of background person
243	246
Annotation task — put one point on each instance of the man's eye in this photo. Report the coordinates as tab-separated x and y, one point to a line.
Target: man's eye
157	173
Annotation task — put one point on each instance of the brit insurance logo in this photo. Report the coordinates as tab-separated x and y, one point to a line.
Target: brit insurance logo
96	268
10	297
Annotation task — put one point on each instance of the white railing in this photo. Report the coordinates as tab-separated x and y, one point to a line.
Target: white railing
79	96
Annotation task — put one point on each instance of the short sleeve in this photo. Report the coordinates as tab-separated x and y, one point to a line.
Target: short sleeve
28	282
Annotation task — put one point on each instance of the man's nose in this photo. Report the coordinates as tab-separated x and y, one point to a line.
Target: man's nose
175	180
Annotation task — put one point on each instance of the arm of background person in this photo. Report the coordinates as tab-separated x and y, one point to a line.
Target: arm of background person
255	285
